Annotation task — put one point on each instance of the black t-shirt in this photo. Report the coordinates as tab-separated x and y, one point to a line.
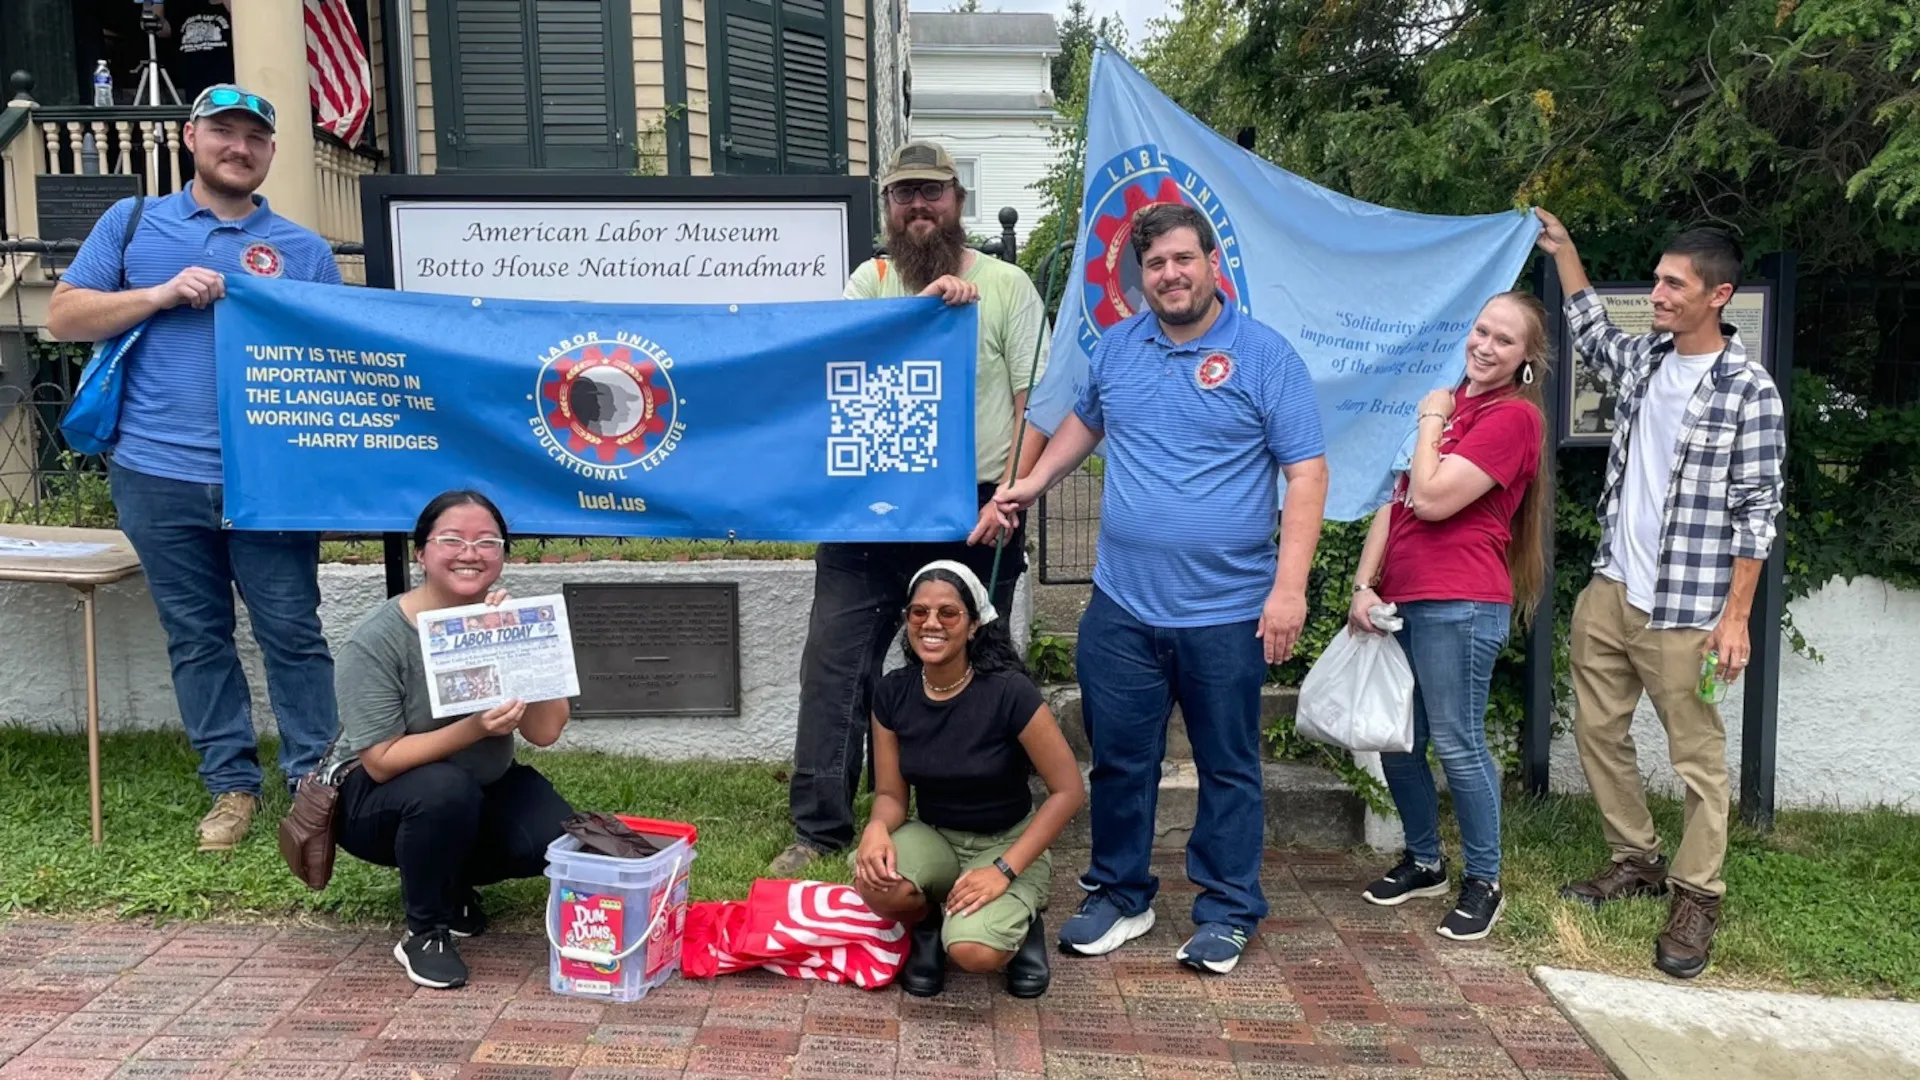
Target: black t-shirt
203	45
963	756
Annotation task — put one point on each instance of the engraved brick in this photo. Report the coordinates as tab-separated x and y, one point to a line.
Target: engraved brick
630	1055
196	1048
309	1048
852	1027
172	1070
56	1044
774	1041
372	1071
417	1050
51	1068
287	1070
522	1053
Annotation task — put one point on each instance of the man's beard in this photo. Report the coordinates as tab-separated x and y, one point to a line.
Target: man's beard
209	182
1199	307
920	262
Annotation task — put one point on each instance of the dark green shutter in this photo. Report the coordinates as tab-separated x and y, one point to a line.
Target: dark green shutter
533	84
780	80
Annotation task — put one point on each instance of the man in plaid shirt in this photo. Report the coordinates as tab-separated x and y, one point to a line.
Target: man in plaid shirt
1687	517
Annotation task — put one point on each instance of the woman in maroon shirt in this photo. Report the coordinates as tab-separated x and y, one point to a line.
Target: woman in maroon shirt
1456	549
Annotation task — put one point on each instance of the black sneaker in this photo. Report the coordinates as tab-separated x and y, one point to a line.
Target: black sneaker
469	919
1481	903
430	959
1406	881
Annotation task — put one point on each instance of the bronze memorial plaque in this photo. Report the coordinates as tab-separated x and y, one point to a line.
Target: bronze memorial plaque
655	649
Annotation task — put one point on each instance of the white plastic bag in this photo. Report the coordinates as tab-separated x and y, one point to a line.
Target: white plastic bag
1359	694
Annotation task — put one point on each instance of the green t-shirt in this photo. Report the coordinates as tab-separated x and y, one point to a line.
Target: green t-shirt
1011	318
380	680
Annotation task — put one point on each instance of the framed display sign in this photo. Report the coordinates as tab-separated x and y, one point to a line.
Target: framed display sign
1590	402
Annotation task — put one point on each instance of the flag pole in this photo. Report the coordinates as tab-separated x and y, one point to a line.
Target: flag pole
1020	430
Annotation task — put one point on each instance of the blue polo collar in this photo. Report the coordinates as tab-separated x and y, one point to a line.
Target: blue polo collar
1221	335
185	207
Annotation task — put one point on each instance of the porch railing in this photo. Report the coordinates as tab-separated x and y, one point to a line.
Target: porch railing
143	141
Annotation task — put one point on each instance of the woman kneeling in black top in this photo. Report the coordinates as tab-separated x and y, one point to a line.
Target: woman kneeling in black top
965	727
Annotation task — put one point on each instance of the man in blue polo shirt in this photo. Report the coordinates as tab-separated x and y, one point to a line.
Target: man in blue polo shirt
1200	407
165	468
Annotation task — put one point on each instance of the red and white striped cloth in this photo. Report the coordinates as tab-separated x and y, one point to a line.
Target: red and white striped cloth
800	929
337	72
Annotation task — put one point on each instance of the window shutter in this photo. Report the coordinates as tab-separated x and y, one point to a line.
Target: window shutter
750	118
490	126
782	100
534	84
814	93
582	122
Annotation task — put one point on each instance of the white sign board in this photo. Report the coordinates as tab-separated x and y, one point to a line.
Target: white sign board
621	252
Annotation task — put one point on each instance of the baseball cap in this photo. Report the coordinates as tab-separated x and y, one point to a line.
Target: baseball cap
226	97
919	160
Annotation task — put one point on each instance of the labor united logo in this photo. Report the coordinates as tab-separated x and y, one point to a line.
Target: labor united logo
604	406
263	259
1110	288
1213	370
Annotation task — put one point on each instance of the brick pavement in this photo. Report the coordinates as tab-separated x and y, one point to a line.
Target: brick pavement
1336	989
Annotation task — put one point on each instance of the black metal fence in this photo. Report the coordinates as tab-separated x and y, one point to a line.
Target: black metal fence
1862	335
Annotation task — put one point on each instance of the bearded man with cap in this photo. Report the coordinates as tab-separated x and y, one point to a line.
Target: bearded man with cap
164	261
860	590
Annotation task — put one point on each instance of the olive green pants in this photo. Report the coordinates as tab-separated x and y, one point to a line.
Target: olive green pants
933	859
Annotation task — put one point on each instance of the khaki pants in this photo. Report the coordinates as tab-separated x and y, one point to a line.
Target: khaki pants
1615	656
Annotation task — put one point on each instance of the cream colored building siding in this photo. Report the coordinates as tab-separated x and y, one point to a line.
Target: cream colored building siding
1009	154
857	126
979	72
425	134
699	123
375	55
649	89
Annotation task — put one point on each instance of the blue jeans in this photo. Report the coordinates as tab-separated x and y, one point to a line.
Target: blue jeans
1451	645
1130	676
192	566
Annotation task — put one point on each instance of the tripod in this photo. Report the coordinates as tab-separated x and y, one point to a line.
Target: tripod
151	74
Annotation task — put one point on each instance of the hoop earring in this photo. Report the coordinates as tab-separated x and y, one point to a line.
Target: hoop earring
1526	373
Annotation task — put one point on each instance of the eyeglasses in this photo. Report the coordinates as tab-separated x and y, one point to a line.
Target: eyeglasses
490	547
903	193
947	614
227	98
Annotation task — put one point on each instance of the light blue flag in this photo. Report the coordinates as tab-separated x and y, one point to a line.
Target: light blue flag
1377	301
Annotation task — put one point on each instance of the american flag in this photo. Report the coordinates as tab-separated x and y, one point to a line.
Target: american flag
337	74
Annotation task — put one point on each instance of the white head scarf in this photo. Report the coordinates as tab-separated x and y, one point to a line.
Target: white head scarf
981	602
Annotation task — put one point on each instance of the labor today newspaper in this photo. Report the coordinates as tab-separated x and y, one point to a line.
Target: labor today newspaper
479	656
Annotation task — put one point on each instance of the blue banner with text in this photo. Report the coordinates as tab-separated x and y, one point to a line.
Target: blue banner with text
1378	302
347	409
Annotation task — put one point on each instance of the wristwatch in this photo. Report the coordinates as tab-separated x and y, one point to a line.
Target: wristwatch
1001	865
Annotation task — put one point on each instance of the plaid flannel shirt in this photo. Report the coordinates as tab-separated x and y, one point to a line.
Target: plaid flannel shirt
1726	485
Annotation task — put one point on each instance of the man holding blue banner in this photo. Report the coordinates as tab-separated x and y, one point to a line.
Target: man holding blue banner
1202	409
860	590
162	263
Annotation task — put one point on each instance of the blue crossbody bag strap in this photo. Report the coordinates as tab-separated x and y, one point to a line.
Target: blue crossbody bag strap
92	422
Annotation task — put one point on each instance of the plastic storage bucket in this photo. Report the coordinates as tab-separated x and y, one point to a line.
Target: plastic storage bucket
615	925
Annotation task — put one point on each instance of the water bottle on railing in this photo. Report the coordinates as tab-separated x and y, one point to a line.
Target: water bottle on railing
102	86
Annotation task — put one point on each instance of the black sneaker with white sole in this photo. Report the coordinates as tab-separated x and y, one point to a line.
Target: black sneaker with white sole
469	918
1406	881
1479	907
431	960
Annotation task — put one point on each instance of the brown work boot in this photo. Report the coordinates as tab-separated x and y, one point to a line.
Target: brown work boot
1632	876
226	824
789	862
1681	949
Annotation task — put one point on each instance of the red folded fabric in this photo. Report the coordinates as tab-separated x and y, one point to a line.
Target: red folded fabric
800	929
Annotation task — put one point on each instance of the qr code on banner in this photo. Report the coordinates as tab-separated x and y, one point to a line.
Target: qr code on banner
885	417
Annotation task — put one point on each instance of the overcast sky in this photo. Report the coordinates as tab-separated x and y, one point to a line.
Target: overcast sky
1134	13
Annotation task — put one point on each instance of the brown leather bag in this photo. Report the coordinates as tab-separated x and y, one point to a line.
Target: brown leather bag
307	832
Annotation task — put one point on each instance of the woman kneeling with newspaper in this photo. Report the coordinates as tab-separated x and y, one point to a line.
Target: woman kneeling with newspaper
964	725
442	799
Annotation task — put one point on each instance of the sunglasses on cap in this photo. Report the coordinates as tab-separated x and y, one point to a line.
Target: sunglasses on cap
221	98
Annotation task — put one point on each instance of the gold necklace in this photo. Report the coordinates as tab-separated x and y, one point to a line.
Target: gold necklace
949	688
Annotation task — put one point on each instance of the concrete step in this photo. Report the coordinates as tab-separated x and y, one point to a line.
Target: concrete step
1064	700
1306	807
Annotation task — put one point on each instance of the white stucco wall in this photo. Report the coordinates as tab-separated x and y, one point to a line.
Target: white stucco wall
44	659
1847	736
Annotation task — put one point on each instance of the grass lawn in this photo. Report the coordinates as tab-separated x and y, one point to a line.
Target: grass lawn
1828	903
153	799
